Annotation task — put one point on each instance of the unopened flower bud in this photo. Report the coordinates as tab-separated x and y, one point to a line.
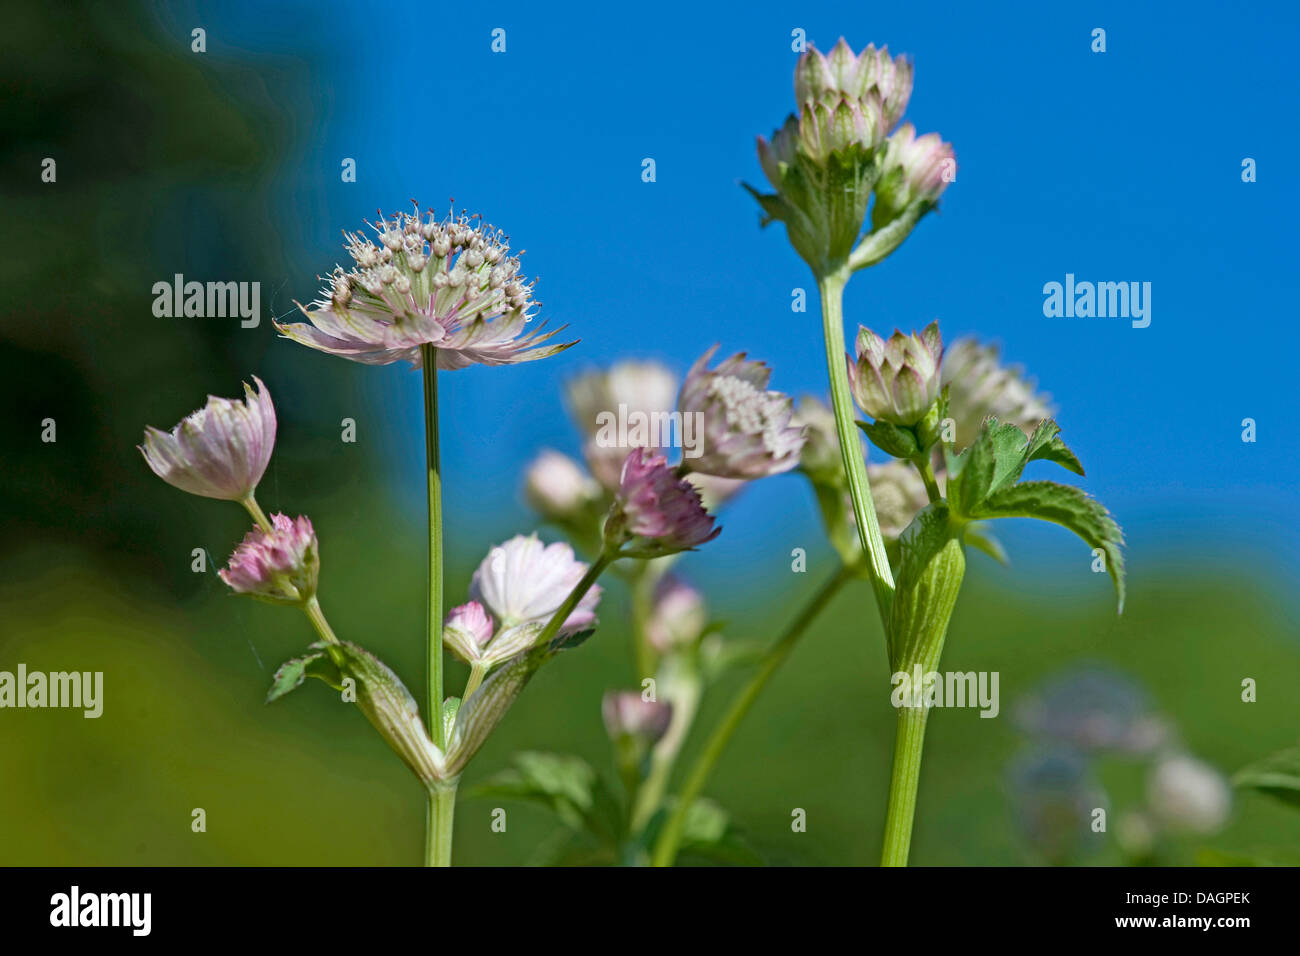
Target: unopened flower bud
655	512
916	170
467	631
677	616
897	380
627	715
557	488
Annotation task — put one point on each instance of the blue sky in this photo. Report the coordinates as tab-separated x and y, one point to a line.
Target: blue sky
1115	166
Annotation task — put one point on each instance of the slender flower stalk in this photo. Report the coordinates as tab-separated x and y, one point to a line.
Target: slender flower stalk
831	289
438	831
670	837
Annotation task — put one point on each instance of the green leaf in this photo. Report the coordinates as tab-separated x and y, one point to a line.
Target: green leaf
1277	775
979	538
891	439
997	458
710	838
565	784
1045	444
1068	507
290	675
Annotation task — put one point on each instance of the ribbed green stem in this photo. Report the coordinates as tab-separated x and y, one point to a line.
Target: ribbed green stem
665	851
864	510
903	784
442	813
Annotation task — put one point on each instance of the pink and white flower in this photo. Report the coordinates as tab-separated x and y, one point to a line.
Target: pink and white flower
748	432
280	566
221	450
522	583
448	283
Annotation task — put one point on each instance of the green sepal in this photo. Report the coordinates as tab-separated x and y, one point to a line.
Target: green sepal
1277	775
823	205
892	439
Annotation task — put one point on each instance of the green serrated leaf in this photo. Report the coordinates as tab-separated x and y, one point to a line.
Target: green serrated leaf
290	675
1068	507
1277	775
1045	444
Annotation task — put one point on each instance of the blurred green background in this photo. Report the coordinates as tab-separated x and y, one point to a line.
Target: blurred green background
95	569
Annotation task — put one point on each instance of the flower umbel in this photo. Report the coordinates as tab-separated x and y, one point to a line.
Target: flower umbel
655	512
221	450
280	566
449	283
897	380
748	432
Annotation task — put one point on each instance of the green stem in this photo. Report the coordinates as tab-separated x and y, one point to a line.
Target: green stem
259	516
665	851
643	654
442	802
682	688
476	674
433	625
440	821
864	510
903	783
922	463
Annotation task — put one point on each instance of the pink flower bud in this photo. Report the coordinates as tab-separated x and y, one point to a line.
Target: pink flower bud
678	615
467	631
628	715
